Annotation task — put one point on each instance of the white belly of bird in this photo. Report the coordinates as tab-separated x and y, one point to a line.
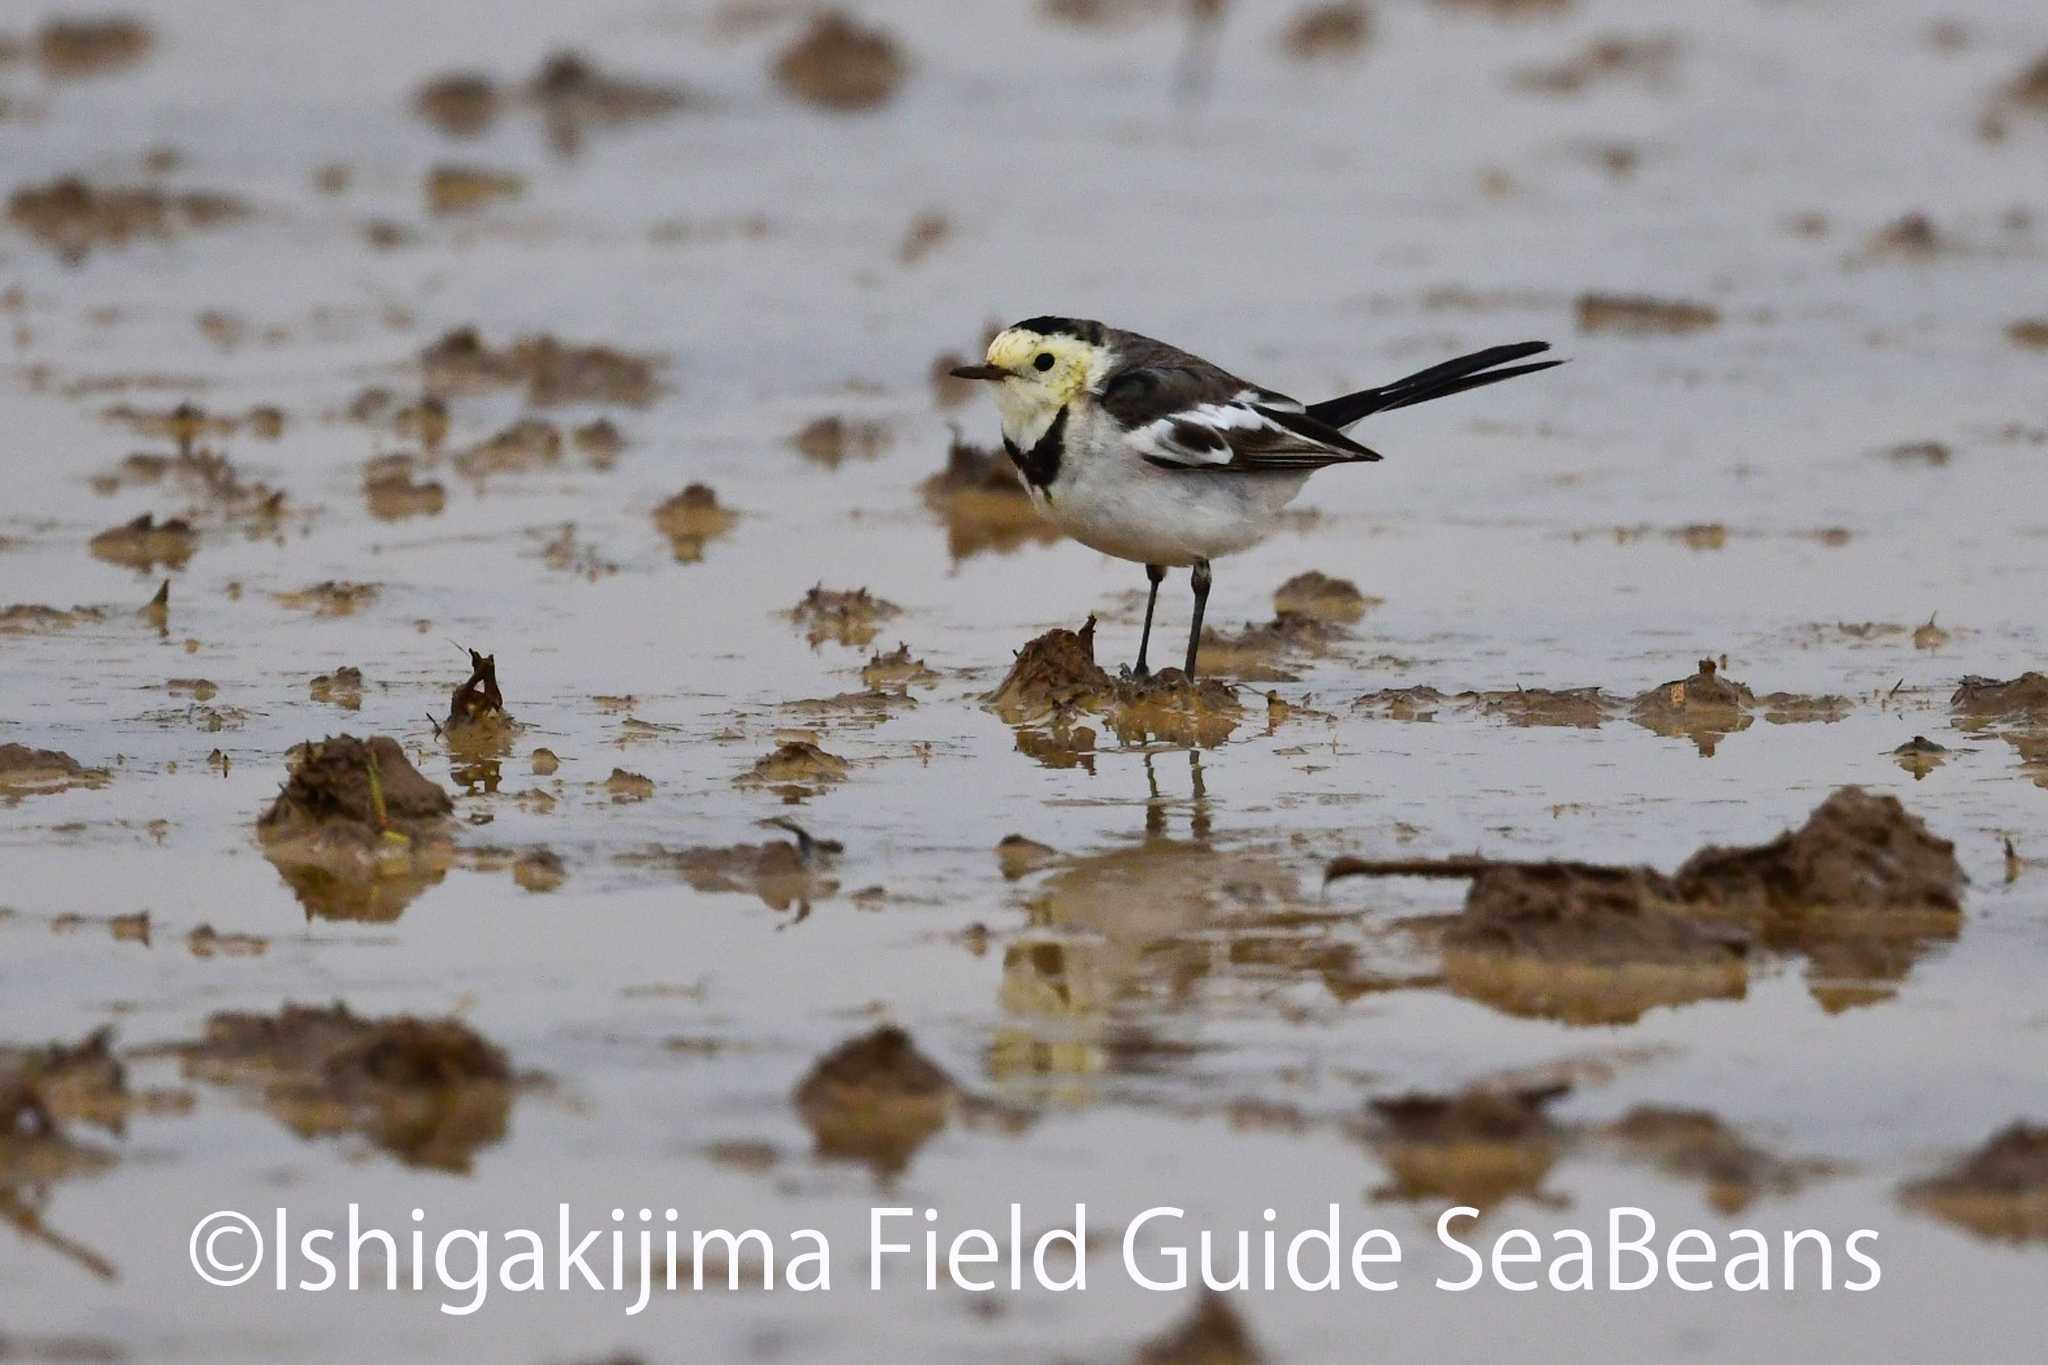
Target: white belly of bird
1107	497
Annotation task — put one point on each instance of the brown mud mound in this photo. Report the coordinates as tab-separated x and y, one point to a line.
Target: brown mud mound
23	617
1419	703
783	875
571	95
2021	698
465	189
691	518
1478	1148
875	1099
552	371
146	542
394	494
1253	654
1695	1145
72	217
1055	677
1638	315
1328	30
25	771
429	1091
1320	597
1212	1335
82	1082
896	669
331	598
799	763
357	831
526	445
476	709
1999	1191
983	503
831	441
91	46
343	687
1582	707
838	63
1860	890
843	616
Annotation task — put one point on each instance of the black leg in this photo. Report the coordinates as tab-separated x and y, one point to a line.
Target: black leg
1201	578
1157	573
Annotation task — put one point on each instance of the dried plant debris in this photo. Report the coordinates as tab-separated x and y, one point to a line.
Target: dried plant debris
2024	698
357	831
1211	1335
1648	60
26	772
331	598
841	64
1693	1144
552	371
431	1092
783	874
832	440
1479	1148
465	189
983	503
1999	1191
91	46
1640	315
1861	889
690	519
847	617
1328	30
146	542
569	93
1055	678
72	217
876	1099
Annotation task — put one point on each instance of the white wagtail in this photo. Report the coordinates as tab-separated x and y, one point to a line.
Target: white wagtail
1142	451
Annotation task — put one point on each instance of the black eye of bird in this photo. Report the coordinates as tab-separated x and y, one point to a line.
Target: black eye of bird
1044	361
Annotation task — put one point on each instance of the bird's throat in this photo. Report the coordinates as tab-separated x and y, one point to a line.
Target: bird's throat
1039	462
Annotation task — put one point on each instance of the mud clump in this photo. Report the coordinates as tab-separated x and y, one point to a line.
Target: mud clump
146	542
1639	315
839	64
552	371
1053	674
1999	1191
896	669
627	787
393	494
1420	703
1920	756
690	519
782	874
460	104
1860	889
847	617
1333	30
1605	59
1478	1148
465	189
2021	698
1708	707
357	831
22	618
1055	677
797	763
431	1092
1212	1335
1581	707
830	441
477	700
25	771
539	870
2029	334
91	47
72	217
1694	1144
569	93
1911	237
983	503
343	687
875	1099
1322	598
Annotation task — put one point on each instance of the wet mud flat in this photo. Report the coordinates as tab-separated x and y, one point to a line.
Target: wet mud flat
522	682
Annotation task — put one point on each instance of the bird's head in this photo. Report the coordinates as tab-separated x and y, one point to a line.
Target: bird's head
1037	367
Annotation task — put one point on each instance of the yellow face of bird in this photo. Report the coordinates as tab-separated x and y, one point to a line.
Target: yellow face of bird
1035	375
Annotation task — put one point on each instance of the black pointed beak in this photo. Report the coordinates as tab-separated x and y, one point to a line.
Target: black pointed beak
979	372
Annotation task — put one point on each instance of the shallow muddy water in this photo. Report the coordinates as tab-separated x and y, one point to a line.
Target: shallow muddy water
1827	475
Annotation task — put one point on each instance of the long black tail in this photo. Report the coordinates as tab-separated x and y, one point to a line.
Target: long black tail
1438	381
